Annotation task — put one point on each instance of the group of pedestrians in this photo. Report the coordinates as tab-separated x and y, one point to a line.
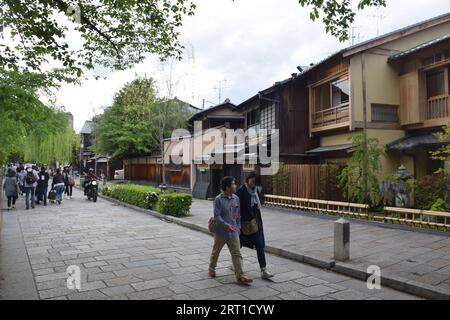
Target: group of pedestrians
237	222
34	185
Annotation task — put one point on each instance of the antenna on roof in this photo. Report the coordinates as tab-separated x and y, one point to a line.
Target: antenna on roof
220	87
379	17
352	36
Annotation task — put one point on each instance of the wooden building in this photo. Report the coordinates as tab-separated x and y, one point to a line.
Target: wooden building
395	86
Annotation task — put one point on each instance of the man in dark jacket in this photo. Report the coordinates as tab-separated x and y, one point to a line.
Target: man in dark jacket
42	186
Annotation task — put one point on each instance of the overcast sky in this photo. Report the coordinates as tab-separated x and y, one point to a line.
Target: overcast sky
249	43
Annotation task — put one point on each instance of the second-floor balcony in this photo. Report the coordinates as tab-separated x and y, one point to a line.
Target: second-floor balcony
330	104
331	116
438	107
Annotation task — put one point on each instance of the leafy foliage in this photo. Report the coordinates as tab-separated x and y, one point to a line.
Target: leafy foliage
280	181
351	178
124	127
138	120
338	15
175	204
440	205
140	196
115	34
443	153
29	129
430	188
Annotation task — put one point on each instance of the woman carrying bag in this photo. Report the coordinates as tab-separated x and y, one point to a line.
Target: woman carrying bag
252	235
11	187
69	182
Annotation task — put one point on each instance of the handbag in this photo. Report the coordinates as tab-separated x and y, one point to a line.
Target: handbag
212	225
71	182
249	227
52	195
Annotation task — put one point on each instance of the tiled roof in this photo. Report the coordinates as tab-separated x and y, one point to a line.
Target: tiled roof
411	142
419	47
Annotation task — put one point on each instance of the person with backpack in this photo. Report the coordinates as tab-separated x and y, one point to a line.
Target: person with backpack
42	186
69	182
58	185
30	179
20	176
11	187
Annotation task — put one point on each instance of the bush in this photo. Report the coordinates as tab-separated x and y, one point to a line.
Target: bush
140	196
440	205
175	204
430	188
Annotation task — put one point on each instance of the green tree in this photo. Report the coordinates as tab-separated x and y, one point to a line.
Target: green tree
114	34
443	153
351	178
124	127
139	120
30	129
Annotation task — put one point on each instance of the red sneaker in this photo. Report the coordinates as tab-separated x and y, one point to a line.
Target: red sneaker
245	280
212	273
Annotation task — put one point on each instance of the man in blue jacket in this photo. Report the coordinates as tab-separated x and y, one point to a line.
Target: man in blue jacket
228	228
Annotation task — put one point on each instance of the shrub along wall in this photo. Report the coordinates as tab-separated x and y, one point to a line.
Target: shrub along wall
173	204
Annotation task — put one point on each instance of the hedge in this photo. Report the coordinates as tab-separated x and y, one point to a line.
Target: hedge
140	196
173	204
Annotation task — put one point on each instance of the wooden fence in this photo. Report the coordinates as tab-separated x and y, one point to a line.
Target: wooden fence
310	181
153	173
406	216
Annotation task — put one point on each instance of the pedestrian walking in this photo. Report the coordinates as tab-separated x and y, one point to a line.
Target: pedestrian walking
227	229
69	182
11	187
29	181
20	176
58	185
252	235
42	186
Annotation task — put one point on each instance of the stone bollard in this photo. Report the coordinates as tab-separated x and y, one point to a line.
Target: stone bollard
342	240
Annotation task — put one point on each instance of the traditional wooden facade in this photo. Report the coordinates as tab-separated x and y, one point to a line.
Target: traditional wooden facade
208	175
284	107
394	86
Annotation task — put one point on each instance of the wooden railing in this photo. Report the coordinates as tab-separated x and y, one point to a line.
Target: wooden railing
314	205
415	217
438	107
331	116
407	216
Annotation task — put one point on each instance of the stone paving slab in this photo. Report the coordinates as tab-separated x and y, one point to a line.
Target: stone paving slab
127	251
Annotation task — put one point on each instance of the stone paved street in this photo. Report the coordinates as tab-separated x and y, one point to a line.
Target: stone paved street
126	254
423	257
